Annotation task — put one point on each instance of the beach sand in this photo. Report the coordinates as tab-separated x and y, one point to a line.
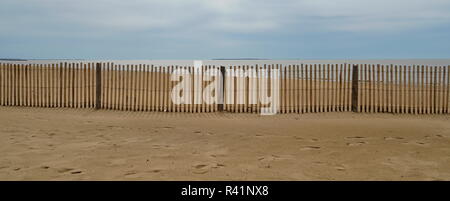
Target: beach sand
85	144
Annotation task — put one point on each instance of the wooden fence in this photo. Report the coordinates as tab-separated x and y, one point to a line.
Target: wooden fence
303	88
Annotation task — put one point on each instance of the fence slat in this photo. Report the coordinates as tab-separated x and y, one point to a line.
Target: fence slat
340	87
292	89
110	88
7	87
144	88
37	74
448	90
11	84
124	87
20	84
435	90
326	87
139	88
400	90
14	85
377	93
48	85
313	87
318	84
117	87
408	88
415	87
129	87
45	85
427	89
121	94
7	84
308	92
442	89
374	89
137	85
406	96
105	84
381	87
369	88
2	84
296	89
17	84
333	87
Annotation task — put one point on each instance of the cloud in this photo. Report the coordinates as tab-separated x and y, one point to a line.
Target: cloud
234	26
235	16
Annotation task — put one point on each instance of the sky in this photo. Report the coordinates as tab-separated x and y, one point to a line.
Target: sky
208	29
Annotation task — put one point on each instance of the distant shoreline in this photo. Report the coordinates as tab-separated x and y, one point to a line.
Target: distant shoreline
244	61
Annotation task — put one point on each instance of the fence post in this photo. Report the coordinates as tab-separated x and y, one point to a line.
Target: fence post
221	97
98	85
355	88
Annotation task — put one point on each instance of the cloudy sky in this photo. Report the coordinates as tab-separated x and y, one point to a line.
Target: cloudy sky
206	29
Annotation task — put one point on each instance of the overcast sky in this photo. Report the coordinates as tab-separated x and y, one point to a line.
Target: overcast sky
206	29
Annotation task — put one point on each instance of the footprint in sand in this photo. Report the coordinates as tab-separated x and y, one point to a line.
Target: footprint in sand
419	143
130	173
155	171
200	166
217	152
218	165
266	161
310	148
298	138
161	146
204	168
76	172
355	137
64	170
356	143
340	168
268	158
434	136
393	138
45	167
200	169
71	170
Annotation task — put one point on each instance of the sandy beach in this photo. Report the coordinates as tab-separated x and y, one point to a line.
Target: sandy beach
85	144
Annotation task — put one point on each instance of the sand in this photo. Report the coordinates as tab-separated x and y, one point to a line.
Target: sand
84	144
